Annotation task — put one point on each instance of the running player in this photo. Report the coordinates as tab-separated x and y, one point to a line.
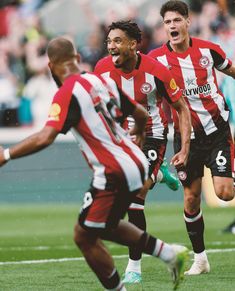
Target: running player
146	81
193	62
85	103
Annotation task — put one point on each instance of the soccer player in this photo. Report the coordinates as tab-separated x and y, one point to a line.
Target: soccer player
193	62
87	104
146	81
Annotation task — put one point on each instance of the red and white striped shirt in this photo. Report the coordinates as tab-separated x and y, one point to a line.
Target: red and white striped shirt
147	84
80	105
194	72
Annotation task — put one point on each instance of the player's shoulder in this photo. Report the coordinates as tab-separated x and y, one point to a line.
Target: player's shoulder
201	43
158	51
104	65
151	65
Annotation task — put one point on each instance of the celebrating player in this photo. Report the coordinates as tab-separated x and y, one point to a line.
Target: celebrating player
193	62
87	104
147	81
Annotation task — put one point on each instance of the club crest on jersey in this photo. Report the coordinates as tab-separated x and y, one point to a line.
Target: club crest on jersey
204	62
54	112
146	88
182	175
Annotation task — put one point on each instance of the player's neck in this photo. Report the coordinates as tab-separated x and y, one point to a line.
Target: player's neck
181	47
130	64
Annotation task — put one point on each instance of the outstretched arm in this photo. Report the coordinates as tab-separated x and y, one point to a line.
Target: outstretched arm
30	145
230	72
180	159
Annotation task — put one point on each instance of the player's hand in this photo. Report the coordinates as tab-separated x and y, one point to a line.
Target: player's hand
2	159
179	160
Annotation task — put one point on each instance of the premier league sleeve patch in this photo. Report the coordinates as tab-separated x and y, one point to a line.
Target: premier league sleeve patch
54	113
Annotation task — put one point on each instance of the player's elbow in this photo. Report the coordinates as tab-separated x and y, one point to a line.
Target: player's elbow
46	137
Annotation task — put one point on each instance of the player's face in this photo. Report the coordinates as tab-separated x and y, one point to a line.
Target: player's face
176	27
121	48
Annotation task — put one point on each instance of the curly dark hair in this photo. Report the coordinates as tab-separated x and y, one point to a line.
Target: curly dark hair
130	28
175	6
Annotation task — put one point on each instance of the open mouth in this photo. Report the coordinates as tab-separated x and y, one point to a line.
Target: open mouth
174	33
115	56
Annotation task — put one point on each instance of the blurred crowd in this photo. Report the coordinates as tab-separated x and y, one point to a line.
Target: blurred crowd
26	87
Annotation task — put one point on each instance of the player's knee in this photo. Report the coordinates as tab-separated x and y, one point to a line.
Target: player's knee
224	193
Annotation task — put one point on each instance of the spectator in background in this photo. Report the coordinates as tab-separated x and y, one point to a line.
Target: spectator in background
93	49
9	101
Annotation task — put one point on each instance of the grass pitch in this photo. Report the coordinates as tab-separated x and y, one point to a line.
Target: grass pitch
37	250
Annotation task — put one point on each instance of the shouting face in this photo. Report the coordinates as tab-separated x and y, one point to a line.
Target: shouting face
121	48
176	27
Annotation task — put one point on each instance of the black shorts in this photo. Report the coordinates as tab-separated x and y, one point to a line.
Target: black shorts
154	150
215	151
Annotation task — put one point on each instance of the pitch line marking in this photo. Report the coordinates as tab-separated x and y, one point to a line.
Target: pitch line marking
29	262
71	247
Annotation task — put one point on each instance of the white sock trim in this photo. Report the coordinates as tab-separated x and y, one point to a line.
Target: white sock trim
136	206
187	219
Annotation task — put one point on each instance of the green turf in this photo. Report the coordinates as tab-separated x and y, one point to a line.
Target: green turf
33	232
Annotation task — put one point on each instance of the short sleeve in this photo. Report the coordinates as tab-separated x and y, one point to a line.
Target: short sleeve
60	110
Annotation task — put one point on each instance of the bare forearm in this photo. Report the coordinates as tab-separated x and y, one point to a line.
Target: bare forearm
30	145
185	129
184	123
230	72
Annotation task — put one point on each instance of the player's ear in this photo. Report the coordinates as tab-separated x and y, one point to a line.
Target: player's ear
188	20
133	44
49	65
78	57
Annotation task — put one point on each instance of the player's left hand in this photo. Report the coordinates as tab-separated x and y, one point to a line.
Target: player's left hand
179	160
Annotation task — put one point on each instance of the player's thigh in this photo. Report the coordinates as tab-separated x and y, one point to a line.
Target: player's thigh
221	156
221	162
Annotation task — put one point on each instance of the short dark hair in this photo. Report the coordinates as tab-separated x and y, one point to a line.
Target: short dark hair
176	6
130	28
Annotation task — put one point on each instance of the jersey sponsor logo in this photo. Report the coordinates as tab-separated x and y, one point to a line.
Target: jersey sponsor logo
204	62
173	84
146	88
54	112
205	90
191	81
182	175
